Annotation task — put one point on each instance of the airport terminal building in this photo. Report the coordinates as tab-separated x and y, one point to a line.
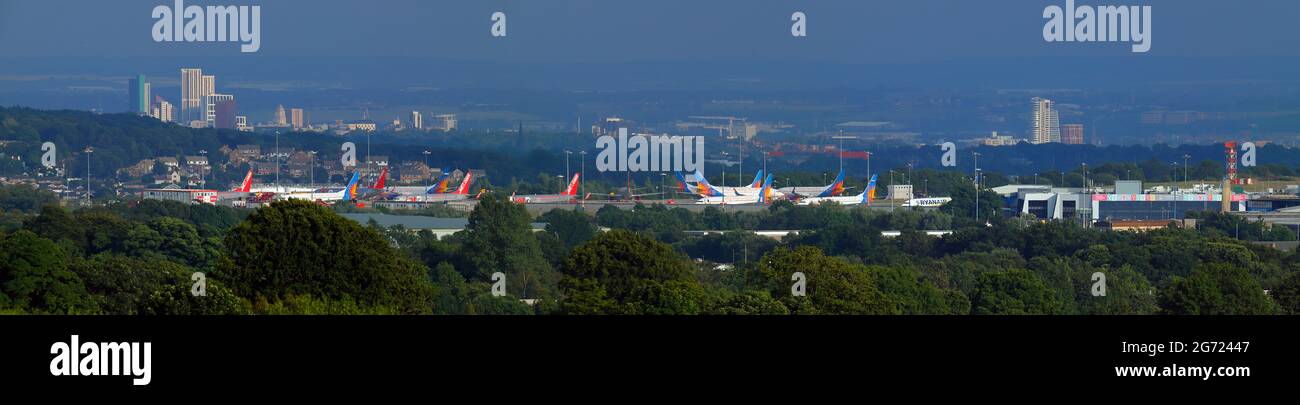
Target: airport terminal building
1128	201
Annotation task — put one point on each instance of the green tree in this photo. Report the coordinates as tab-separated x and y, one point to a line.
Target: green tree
300	248
1216	289
34	276
499	239
622	272
573	227
122	284
1013	292
750	303
1287	294
179	299
832	285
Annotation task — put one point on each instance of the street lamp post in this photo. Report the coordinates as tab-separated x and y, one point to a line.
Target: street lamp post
582	179
277	158
663	183
89	150
1085	176
203	173
868	166
977	186
567	153
426	154
311	173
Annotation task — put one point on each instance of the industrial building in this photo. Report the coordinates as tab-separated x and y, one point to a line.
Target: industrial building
1127	201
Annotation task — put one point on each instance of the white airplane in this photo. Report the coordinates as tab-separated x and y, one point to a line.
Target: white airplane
570	194
866	197
706	190
765	195
927	202
235	194
438	192
835	188
348	192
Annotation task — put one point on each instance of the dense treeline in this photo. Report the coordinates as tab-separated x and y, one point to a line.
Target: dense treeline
301	258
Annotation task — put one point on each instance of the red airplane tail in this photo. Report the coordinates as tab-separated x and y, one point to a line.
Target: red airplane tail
464	184
247	185
573	185
379	184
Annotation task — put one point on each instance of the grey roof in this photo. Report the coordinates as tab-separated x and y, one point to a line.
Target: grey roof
417	221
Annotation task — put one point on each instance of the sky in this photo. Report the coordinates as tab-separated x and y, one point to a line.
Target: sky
846	31
582	45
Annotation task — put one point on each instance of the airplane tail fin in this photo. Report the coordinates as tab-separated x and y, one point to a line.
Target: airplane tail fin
758	178
350	192
682	184
247	185
440	186
869	194
765	196
573	185
703	188
379	183
464	184
835	188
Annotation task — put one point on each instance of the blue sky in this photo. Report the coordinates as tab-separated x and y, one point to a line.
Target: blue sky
846	31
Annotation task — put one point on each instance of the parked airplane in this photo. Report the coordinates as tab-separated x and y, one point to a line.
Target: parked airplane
238	192
764	195
570	194
704	189
865	198
927	202
347	193
460	193
834	189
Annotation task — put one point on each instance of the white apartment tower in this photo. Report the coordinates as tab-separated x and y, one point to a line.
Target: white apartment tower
191	94
1047	122
417	120
280	118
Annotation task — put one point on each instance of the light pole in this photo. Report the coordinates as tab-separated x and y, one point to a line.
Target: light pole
582	179
1185	157
868	166
426	154
203	173
311	173
909	172
1085	175
277	158
977	186
663	183
89	150
567	153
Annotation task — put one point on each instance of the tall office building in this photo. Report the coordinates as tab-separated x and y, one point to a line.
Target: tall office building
296	118
138	92
280	118
163	110
207	88
191	98
1072	134
417	121
1047	122
210	104
224	114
